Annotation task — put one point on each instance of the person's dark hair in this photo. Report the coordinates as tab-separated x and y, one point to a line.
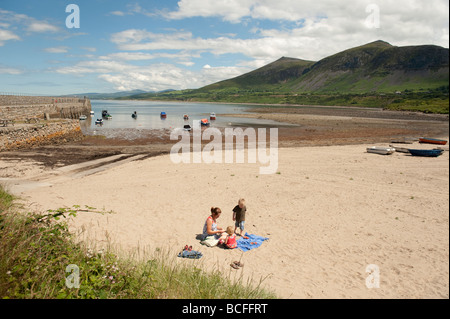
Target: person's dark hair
215	211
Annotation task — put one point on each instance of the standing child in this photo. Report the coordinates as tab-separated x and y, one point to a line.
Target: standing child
239	215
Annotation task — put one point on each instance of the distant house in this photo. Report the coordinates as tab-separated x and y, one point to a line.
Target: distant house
398	92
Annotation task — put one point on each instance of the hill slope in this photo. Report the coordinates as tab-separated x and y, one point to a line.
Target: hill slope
374	67
273	74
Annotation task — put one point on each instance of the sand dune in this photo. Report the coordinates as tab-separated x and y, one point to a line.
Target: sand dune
329	213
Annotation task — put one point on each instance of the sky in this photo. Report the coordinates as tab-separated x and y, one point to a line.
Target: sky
163	44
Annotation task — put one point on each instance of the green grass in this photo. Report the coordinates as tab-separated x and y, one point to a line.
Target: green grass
36	249
6	200
420	100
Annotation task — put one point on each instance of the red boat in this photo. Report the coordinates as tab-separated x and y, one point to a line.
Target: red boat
432	141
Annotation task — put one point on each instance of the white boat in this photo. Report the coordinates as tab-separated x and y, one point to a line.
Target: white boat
92	113
83	117
212	116
381	150
400	149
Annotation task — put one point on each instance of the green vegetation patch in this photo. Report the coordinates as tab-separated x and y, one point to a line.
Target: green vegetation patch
36	250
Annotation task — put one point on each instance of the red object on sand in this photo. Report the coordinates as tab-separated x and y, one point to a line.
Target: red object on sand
432	141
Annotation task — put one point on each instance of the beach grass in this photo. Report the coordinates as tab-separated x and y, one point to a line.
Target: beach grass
37	248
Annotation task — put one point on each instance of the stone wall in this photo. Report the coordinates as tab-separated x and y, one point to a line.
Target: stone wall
20	108
27	136
47	131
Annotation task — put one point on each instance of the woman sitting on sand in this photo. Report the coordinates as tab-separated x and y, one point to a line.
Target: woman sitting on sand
210	228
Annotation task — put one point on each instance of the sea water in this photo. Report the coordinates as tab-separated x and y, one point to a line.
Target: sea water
149	116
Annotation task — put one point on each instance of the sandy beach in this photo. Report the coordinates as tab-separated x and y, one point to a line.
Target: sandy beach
329	212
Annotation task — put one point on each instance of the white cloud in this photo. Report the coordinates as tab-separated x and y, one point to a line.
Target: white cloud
156	77
405	22
25	22
320	28
6	35
129	56
118	13
89	49
41	27
230	10
61	49
9	70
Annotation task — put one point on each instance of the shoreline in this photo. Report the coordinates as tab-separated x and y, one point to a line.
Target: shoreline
293	106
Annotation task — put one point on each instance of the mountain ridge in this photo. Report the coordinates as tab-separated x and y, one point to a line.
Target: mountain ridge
373	67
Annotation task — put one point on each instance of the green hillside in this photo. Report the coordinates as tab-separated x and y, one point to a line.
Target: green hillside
377	67
374	67
375	75
272	75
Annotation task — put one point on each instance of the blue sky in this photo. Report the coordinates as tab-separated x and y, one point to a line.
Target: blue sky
158	45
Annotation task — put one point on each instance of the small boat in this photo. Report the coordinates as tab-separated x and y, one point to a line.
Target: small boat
134	115
381	150
83	117
92	113
400	149
204	122
427	153
99	122
403	141
187	127
212	116
432	141
186	117
163	115
106	115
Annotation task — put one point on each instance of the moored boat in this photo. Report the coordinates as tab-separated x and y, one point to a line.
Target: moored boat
204	122
134	115
429	140
404	140
163	115
106	115
212	116
92	113
99	122
83	117
426	153
400	149
186	117
187	127
381	150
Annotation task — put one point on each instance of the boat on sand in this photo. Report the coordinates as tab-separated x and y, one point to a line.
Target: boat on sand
429	140
381	150
427	153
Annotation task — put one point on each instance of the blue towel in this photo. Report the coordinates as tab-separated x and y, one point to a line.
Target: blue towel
245	244
193	254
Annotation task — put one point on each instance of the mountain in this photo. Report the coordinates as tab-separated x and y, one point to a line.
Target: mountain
106	96
275	73
374	67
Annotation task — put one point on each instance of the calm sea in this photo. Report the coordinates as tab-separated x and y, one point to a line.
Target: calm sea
149	115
